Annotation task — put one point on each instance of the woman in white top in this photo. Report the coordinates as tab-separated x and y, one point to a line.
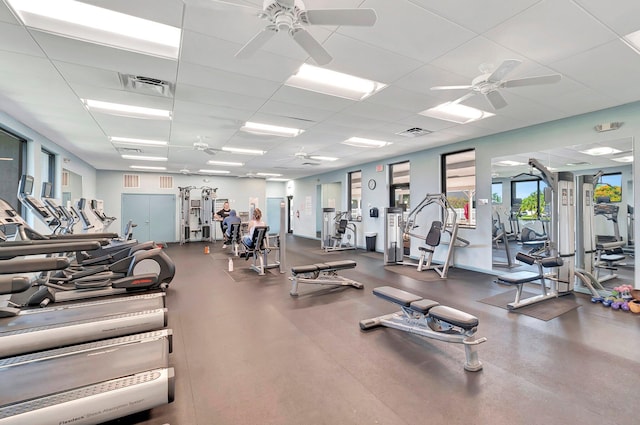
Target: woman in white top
256	221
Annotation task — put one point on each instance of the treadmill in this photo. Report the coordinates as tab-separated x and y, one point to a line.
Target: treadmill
88	383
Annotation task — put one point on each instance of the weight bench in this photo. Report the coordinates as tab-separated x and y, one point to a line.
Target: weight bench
322	274
429	319
520	278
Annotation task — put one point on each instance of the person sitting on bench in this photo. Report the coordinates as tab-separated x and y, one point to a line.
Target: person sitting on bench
256	221
428	318
232	218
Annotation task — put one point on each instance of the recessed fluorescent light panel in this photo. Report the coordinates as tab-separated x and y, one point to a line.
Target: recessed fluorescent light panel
508	163
633	40
130	141
276	179
456	112
225	163
94	24
145	158
147	167
243	151
6	159
628	158
323	158
268	175
359	142
271	130
599	151
325	81
214	171
127	110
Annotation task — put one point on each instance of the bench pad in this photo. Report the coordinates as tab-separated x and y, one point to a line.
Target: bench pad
423	306
395	295
341	264
330	265
304	269
519	277
453	316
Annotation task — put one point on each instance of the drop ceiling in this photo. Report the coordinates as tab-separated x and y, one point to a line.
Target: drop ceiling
414	45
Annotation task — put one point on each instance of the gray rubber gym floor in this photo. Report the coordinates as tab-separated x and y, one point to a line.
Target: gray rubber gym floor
245	352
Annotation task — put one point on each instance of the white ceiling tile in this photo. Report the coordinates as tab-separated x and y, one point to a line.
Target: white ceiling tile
6	15
15	38
311	99
168	12
621	15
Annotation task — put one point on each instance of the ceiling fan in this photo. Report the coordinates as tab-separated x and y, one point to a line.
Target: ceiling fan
292	16
490	82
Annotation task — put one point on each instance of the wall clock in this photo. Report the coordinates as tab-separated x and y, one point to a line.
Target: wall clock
372	184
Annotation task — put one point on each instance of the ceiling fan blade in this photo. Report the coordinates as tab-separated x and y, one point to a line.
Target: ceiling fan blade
463	98
311	46
532	81
255	43
451	87
505	68
496	100
356	17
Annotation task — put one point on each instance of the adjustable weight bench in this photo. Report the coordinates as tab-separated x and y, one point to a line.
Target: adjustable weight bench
520	278
429	319
322	274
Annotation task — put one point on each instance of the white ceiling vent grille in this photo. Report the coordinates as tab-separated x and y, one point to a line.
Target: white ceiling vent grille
414	132
146	85
131	181
166	182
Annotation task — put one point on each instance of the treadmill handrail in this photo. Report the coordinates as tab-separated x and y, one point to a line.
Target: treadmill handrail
15	251
28	265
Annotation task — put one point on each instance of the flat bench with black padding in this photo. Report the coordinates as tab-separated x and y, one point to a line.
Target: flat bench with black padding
322	274
518	279
429	319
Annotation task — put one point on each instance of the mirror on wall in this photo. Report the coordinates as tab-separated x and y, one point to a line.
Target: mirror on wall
520	216
71	187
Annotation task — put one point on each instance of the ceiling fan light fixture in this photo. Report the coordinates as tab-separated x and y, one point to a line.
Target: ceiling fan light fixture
359	142
601	150
78	20
272	130
333	83
456	112
243	151
126	110
131	141
225	163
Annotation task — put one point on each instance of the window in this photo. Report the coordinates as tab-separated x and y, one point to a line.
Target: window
529	196
399	187
48	171
459	184
355	194
496	193
13	151
609	186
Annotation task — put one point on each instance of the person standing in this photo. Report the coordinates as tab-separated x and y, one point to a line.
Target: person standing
221	215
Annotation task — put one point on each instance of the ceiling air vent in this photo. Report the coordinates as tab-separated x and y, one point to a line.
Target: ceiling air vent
414	132
146	85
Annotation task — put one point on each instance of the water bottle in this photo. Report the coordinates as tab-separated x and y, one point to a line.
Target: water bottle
230	264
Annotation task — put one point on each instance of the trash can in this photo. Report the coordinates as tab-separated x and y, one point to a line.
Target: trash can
371	241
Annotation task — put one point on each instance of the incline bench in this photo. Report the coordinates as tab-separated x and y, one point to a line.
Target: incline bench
428	318
322	274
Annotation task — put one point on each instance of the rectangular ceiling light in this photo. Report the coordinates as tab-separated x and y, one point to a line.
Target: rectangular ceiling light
94	24
243	151
508	163
359	142
323	158
333	83
455	112
628	158
599	151
225	163
6	159
276	179
126	110
145	158
130	141
214	171
147	167
633	40
273	130
268	175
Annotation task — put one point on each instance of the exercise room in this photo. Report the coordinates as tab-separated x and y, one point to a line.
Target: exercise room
318	212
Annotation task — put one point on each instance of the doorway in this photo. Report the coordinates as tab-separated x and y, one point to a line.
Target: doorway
153	215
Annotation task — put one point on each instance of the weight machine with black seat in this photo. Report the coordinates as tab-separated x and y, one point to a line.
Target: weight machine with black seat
397	230
207	200
185	213
560	249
